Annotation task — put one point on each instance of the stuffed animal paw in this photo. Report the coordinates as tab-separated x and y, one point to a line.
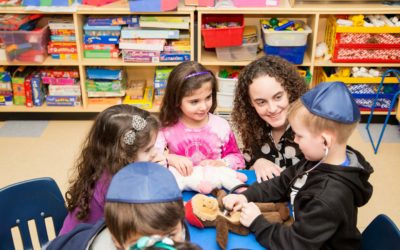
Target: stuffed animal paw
206	178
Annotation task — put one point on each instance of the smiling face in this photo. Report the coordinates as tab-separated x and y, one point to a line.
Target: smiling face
270	100
196	105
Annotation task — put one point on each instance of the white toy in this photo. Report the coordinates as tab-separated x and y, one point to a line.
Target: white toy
322	51
205	178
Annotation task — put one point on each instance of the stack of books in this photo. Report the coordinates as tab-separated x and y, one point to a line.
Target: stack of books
62	43
102	35
105	85
147	41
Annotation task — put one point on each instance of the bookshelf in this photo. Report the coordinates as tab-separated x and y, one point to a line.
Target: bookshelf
314	15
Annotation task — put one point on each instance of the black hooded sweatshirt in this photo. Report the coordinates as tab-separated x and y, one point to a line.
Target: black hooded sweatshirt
325	207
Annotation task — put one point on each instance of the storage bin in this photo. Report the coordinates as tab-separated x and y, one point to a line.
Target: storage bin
201	3
245	52
364	95
27	46
227	85
225	100
286	38
47	2
98	2
222	37
255	3
292	54
323	77
152	5
362	44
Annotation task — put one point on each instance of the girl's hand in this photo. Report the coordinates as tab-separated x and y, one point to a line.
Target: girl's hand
183	164
214	163
266	170
234	202
249	213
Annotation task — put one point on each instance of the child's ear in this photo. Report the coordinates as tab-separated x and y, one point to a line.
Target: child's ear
327	139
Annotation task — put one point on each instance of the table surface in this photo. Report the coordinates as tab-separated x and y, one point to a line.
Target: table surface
206	238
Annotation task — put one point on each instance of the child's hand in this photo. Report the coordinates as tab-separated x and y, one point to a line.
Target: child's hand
249	213
214	163
183	164
234	201
265	170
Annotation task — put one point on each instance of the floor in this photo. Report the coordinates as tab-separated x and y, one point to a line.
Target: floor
51	147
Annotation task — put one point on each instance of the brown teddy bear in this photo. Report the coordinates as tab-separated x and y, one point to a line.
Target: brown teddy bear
204	211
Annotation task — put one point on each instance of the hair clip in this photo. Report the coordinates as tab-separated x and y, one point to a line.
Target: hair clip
197	74
156	241
138	124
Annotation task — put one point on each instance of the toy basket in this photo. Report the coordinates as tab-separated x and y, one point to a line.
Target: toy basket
362	44
27	46
286	37
364	95
222	37
323	77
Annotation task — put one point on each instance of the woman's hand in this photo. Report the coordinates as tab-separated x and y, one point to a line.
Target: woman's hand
249	213
266	170
183	164
214	163
234	202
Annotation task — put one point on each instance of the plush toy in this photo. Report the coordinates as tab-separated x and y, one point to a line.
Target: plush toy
205	178
322	51
204	211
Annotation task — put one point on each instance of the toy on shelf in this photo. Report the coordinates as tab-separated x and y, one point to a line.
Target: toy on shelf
321	51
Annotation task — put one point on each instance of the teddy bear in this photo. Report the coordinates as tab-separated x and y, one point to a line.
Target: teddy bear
206	178
205	211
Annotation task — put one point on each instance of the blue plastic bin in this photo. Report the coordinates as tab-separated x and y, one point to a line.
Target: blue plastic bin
292	54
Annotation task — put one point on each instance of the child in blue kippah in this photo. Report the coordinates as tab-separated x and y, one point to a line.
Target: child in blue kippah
143	209
121	134
326	189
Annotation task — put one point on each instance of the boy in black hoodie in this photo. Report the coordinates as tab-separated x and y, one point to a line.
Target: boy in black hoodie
325	189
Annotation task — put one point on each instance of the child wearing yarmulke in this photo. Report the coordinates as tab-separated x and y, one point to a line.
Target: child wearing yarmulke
325	189
144	208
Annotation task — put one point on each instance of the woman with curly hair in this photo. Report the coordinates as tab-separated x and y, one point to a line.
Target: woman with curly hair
264	92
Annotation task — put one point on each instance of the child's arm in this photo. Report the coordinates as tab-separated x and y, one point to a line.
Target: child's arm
313	227
273	190
231	154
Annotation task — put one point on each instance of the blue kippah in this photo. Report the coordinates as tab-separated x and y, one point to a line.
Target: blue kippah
333	101
143	182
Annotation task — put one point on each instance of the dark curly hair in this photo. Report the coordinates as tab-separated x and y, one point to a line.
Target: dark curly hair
252	129
179	86
104	150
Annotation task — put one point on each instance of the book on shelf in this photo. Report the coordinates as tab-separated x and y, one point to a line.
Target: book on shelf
142	44
128	33
167	22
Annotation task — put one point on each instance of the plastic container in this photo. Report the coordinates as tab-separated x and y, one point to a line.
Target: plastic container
152	5
27	46
227	85
225	100
355	80
222	37
255	3
286	38
362	44
200	3
245	52
292	54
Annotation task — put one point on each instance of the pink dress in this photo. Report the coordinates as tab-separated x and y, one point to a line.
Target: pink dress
212	142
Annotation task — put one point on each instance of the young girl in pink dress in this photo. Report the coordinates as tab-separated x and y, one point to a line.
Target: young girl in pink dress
190	132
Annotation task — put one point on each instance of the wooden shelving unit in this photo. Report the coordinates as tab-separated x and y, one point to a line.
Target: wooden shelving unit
314	15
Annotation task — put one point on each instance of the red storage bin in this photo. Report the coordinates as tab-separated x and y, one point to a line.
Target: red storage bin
222	37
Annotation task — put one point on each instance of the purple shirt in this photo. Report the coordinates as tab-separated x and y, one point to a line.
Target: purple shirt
212	142
96	206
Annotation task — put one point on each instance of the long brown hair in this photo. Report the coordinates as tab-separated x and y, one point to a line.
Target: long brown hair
125	220
252	129
180	85
104	151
